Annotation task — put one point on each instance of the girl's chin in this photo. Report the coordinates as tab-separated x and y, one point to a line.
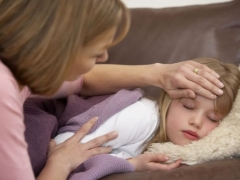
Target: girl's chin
181	143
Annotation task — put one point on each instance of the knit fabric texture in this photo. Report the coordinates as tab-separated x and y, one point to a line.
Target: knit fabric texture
100	166
43	118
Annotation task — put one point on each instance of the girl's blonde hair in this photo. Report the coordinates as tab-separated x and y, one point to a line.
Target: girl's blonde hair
40	39
229	76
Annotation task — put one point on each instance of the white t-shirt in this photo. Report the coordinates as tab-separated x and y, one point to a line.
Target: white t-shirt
136	125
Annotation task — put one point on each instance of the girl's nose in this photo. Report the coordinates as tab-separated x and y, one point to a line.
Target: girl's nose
196	121
103	57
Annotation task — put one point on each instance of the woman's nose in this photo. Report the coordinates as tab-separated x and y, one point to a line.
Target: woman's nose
103	57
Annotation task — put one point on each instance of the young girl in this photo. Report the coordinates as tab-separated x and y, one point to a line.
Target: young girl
182	120
45	43
200	112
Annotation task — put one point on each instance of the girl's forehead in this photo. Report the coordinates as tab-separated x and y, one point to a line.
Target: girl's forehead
199	102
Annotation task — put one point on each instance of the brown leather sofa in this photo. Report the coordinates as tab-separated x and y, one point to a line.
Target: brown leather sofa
175	34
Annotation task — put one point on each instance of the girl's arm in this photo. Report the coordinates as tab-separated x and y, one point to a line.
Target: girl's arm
178	79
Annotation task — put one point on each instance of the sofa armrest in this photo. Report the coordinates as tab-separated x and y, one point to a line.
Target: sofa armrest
227	169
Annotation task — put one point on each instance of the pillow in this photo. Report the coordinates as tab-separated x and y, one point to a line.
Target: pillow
222	142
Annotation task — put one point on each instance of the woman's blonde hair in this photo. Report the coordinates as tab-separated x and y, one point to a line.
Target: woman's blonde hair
40	39
229	76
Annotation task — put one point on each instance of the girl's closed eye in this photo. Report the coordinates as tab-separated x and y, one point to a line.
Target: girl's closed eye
213	120
188	107
188	104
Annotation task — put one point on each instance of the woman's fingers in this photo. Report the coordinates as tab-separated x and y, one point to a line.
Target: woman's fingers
182	93
82	131
206	78
72	152
78	136
204	67
192	86
203	87
190	78
207	74
100	140
98	150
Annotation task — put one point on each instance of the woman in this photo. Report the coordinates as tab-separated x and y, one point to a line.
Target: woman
44	45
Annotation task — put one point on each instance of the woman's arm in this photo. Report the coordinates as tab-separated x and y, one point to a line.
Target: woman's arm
178	79
14	160
67	88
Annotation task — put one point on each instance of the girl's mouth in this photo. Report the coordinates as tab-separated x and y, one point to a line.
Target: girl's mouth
191	135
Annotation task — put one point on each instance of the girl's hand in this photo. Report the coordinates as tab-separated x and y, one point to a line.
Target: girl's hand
184	80
152	161
71	153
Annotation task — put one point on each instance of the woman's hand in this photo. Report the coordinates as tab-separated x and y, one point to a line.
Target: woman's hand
152	161
184	80
71	153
